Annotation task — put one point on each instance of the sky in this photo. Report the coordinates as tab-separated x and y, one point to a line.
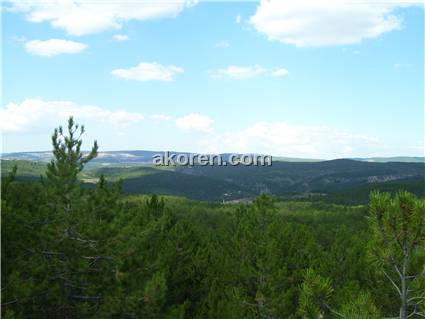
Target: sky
313	79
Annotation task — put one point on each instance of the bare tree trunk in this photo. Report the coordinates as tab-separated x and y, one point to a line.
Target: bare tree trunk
404	286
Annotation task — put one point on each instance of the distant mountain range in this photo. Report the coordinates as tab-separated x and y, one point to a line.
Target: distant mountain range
139	157
402	159
342	180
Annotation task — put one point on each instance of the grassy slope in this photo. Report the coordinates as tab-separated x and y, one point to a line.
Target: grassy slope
91	172
25	168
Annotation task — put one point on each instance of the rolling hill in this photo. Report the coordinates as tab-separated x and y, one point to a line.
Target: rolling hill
335	179
139	157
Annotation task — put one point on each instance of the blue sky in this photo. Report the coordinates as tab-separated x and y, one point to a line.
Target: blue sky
281	77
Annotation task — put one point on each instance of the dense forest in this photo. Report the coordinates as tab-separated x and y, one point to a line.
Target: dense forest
70	251
343	181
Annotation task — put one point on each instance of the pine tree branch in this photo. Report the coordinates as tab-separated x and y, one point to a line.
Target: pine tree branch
333	311
392	282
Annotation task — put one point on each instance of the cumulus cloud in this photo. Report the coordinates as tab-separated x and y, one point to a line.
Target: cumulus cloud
149	72
120	37
280	72
246	72
306	23
36	113
283	139
160	117
195	122
52	47
81	17
238	72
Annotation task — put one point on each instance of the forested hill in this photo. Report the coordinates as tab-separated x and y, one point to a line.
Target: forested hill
318	176
290	179
138	157
327	177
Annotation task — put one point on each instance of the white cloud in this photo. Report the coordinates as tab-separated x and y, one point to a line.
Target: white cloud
54	47
282	139
238	72
80	17
120	37
161	117
238	19
195	122
222	44
246	72
280	72
36	113
317	23
149	72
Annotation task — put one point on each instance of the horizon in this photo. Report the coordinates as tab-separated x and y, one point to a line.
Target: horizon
234	84
279	157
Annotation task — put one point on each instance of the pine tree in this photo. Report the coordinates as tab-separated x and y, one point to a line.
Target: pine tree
68	161
316	292
72	239
155	206
398	226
